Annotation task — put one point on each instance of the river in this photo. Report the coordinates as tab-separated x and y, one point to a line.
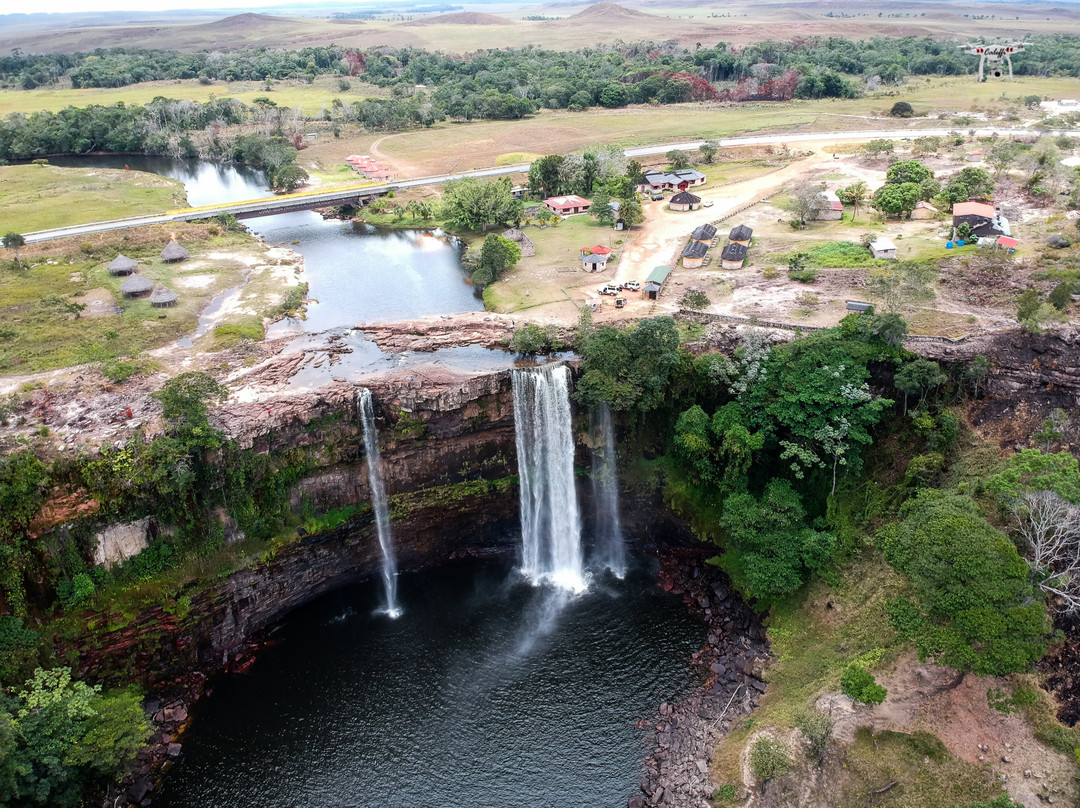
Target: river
356	274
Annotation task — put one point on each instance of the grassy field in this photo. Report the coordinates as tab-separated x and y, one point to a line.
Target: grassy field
42	197
286	93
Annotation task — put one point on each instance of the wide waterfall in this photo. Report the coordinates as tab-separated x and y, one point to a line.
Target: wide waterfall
378	501
550	523
610	548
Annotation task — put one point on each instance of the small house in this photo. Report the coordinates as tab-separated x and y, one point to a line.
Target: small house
594	263
570	205
122	265
741	234
519	191
525	244
680	180
982	217
654	284
705	233
135	285
859	306
975	157
924	210
596	249
693	254
884	248
163	297
831	209
733	256
1008	243
173	252
684	200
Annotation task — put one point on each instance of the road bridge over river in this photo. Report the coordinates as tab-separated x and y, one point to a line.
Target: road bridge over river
352	195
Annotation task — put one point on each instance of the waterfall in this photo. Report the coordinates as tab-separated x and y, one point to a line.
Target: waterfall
550	524
378	500
610	549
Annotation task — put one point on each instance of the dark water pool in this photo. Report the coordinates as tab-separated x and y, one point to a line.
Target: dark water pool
487	693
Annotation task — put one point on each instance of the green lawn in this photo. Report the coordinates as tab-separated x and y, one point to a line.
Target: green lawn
42	197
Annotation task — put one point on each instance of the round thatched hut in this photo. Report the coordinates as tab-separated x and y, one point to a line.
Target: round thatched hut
135	285
163	296
122	265
685	201
528	249
173	252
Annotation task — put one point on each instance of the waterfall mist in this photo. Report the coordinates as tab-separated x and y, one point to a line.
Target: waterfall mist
610	547
550	521
378	501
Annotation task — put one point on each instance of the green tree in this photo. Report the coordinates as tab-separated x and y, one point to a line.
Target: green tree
708	151
288	178
859	685
854	195
890	328
14	241
968	183
918	378
1033	314
580	100
1003	155
769	549
876	148
678	159
635	174
976	371
1061	296
975	606
1032	470
630	211
477	205
905	171
1053	428
544	175
601	209
902	109
23	485
628	368
532	339
497	255
614	95
903	284
896	200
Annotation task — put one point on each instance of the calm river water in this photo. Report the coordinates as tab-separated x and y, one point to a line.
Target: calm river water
486	693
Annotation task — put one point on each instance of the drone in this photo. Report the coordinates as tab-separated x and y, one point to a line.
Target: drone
994	55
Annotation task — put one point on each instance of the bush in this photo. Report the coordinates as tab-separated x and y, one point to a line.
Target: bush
532	339
808	275
860	685
695	299
817	728
902	109
1061	296
1059	241
118	370
768	759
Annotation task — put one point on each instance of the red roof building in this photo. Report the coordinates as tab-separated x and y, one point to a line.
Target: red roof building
568	205
597	250
974	209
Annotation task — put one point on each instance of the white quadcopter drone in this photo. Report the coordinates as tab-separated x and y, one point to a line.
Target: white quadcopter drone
994	55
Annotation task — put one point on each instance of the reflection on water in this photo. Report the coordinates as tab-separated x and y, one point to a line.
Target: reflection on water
487	693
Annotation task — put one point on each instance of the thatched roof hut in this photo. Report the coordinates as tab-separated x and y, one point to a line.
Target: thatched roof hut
122	265
135	285
173	252
528	249
163	296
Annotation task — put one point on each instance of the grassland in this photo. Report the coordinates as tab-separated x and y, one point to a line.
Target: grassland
311	98
39	197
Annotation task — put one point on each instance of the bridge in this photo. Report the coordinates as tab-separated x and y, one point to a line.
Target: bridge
353	195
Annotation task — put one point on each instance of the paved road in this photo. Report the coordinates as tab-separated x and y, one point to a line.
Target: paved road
342	195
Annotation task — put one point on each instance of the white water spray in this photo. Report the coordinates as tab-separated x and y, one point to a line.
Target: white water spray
378	501
610	548
550	522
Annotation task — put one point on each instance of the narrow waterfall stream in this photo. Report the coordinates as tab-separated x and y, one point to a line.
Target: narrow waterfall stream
550	521
378	501
610	547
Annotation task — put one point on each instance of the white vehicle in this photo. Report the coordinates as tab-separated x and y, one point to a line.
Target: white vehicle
708	203
609	289
633	286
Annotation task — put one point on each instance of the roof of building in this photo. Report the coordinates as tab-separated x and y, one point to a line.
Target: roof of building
703	233
833	200
163	295
122	265
658	275
925	206
858	305
594	259
882	243
136	284
741	233
695	249
528	249
684	198
174	252
596	249
734	251
655	177
973	209
1007	241
570	201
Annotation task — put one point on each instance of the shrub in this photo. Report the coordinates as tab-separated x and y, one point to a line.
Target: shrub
1059	241
1061	296
768	759
695	299
808	275
860	685
726	793
531	339
232	334
817	728
902	109
118	370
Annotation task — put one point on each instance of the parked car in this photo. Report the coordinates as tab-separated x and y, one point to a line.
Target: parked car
656	196
609	289
620	302
708	203
633	286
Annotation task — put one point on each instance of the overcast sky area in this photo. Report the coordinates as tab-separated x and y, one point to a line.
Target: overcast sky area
133	5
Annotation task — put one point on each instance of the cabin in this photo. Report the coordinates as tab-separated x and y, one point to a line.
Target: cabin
122	265
525	244
982	217
655	282
705	233
519	191
594	263
733	256
831	209
173	252
693	254
684	200
135	285
163	297
924	210
741	234
883	248
680	180
975	157
570	205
